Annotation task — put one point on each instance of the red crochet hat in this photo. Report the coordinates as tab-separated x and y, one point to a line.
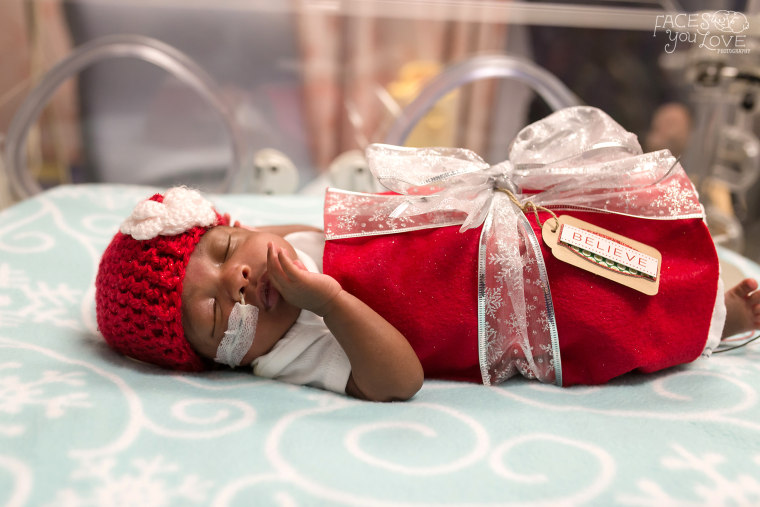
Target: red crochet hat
138	289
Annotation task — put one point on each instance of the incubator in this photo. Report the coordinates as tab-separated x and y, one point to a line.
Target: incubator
722	156
284	97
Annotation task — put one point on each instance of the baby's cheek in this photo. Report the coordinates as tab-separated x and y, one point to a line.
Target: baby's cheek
202	347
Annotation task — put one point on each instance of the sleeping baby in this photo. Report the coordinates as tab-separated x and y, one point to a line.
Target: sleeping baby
180	288
457	274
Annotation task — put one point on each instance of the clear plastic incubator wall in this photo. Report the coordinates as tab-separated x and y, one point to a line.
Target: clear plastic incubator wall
283	97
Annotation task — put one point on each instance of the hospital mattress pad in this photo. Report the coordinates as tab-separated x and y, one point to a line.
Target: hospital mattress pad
81	425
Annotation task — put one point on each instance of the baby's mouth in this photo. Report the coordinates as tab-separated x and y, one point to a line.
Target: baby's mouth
267	294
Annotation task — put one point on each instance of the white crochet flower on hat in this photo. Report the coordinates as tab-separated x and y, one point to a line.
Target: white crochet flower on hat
182	209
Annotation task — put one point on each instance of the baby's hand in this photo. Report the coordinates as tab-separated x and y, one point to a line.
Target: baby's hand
299	287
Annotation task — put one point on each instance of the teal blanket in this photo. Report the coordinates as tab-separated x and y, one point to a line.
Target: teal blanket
81	425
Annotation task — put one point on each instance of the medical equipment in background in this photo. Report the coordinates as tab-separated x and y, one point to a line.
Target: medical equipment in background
546	85
116	46
268	170
724	149
350	170
273	173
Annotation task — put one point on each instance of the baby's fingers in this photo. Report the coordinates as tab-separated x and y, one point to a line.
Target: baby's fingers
293	268
283	271
276	272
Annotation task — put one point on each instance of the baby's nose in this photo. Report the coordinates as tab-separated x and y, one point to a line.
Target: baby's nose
237	278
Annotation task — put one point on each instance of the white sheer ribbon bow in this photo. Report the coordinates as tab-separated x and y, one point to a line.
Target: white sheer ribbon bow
576	158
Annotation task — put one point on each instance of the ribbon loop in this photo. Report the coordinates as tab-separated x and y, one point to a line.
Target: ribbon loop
434	168
571	133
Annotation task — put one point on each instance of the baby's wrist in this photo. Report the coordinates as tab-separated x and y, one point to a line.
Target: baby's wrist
328	306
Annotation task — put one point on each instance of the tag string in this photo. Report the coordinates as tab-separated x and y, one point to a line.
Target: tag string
530	206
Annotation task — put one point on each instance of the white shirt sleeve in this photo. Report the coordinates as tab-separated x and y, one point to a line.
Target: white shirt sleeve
308	354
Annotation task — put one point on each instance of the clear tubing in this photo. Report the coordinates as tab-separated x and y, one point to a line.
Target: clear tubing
551	89
113	46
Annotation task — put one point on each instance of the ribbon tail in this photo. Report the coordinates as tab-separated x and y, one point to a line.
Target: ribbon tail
516	330
481	206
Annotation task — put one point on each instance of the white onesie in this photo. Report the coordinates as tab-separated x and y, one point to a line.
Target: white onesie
308	354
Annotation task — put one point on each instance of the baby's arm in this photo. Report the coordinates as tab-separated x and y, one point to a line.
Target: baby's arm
384	366
280	230
284	230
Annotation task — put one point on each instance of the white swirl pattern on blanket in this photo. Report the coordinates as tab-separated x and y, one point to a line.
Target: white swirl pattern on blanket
80	425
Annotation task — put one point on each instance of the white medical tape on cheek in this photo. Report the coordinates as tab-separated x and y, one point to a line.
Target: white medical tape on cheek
238	338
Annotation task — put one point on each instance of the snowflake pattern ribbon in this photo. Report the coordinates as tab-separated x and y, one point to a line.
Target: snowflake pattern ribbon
577	158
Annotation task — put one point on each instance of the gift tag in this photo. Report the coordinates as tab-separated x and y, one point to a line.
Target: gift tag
604	253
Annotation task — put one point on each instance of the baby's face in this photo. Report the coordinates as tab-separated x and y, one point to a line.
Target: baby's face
227	263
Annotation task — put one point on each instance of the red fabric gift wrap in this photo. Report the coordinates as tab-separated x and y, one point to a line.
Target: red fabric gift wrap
424	283
454	256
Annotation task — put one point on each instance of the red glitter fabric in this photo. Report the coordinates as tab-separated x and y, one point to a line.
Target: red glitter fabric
138	297
424	283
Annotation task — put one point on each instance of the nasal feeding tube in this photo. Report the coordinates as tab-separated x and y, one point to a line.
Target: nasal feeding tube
238	338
